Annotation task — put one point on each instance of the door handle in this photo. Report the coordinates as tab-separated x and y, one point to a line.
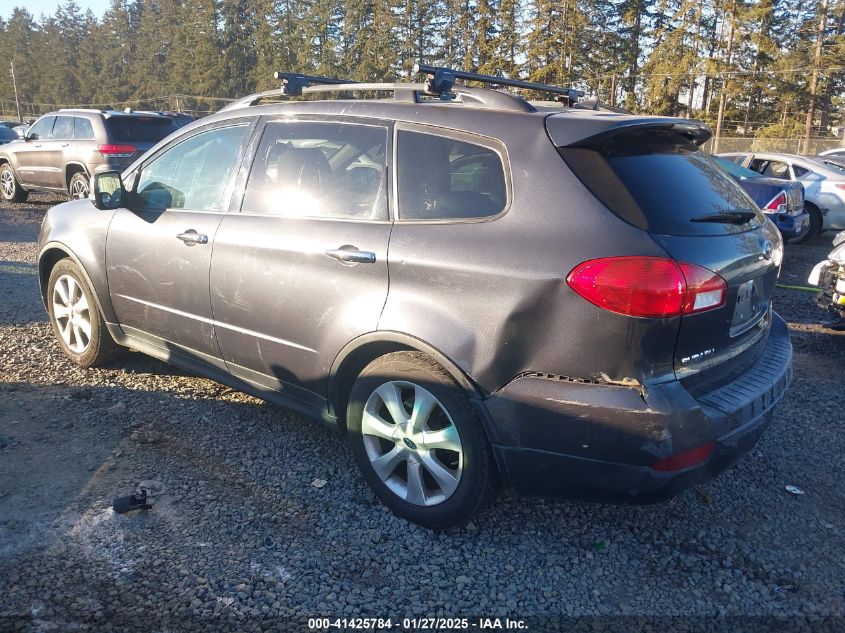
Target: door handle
191	237
352	255
65	144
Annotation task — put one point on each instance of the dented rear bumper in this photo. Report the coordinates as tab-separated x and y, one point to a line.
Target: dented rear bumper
561	437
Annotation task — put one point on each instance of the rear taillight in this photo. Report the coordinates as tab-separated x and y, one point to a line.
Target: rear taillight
777	204
117	151
648	286
841	186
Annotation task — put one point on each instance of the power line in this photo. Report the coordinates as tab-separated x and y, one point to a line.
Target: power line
720	73
169	98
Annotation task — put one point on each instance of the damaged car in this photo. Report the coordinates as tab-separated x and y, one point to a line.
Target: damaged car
829	277
477	289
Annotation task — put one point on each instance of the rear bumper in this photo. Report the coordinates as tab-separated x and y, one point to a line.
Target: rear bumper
598	442
791	226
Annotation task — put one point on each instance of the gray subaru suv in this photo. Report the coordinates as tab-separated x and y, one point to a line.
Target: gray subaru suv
61	150
479	290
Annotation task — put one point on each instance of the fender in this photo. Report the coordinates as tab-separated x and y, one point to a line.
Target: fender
105	309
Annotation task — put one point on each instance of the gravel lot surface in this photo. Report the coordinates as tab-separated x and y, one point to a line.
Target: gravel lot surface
241	540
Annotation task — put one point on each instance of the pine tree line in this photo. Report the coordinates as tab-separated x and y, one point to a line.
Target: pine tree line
769	67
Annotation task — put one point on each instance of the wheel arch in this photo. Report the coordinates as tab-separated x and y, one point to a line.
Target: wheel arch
51	254
74	167
360	352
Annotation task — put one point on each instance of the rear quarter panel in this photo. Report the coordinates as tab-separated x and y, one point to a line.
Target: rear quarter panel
492	295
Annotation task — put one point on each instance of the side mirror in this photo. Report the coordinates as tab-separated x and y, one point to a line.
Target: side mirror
107	191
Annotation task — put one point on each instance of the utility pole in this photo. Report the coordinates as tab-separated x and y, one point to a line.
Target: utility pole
15	84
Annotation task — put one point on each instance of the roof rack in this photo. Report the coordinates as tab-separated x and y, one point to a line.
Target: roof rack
442	80
293	83
439	85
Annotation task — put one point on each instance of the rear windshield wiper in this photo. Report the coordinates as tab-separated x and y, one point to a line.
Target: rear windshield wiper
728	217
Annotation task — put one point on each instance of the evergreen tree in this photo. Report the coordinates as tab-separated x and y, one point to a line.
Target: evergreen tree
239	46
746	66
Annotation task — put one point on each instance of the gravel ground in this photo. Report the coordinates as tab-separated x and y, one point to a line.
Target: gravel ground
241	540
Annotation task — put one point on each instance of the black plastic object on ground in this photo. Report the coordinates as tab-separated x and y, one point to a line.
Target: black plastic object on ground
136	501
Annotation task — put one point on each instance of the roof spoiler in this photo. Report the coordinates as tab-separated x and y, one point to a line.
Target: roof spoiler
567	129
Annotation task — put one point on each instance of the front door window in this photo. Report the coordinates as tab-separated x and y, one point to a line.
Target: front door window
192	174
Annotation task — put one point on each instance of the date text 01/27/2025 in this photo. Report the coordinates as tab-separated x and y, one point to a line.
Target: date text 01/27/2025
417	624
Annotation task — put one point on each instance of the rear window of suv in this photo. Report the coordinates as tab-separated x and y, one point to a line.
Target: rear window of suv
659	181
443	178
133	129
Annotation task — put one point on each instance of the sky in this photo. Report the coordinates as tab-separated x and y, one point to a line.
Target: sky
37	7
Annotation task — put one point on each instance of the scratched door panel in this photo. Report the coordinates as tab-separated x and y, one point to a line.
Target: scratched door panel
282	306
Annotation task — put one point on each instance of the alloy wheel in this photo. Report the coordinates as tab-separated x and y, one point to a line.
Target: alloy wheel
72	314
78	189
412	443
7	182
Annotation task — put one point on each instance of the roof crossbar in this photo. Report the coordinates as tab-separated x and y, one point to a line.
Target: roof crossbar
441	80
439	85
293	83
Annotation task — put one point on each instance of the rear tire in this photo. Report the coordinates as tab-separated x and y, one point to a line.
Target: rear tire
75	318
10	188
79	186
816	223
418	442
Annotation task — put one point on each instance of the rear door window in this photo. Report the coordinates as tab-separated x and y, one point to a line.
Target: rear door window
776	169
82	129
63	129
137	129
319	170
660	182
444	178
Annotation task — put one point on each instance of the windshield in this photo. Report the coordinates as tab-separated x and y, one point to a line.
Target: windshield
7	135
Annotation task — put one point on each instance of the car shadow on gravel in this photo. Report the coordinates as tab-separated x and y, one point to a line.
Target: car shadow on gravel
69	448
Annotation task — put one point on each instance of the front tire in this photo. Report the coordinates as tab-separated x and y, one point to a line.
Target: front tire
10	188
77	323
417	441
78	187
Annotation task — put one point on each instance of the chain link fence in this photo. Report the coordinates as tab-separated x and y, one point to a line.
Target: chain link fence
199	106
786	145
196	106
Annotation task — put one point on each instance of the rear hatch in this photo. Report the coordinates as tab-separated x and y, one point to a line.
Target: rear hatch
130	135
652	174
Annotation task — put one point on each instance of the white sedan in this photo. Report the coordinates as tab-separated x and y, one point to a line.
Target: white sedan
824	183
